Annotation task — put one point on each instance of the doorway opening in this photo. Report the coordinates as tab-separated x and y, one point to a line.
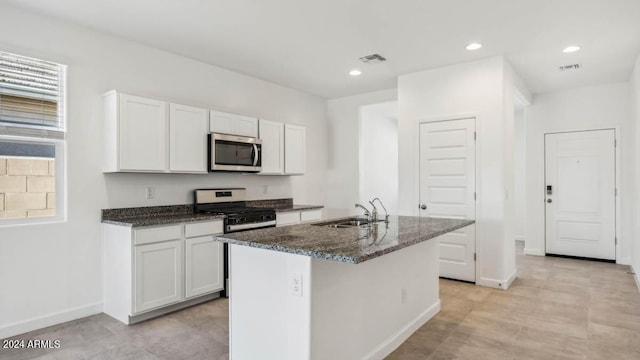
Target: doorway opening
378	154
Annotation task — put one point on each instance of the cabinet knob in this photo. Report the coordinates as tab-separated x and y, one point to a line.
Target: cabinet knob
423	207
549	201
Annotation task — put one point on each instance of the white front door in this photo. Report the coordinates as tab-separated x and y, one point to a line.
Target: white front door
580	194
447	190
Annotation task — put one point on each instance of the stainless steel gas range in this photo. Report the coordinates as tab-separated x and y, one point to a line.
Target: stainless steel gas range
238	216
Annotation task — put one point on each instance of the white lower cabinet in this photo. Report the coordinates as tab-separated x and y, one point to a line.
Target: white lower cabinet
310	215
297	217
287	218
158	275
202	273
153	270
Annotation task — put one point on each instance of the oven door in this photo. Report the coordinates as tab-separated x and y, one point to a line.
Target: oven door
234	153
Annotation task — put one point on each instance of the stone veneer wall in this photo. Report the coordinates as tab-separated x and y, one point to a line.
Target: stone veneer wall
27	187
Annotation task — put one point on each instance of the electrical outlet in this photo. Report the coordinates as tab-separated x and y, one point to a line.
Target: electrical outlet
149	192
296	284
265	189
404	296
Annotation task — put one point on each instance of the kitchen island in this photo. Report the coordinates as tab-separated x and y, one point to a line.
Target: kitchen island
315	291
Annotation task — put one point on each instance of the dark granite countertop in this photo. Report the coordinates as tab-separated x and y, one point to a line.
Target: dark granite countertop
299	207
174	214
154	215
282	205
351	245
140	221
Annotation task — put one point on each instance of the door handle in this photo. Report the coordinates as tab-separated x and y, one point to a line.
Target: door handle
423	207
549	201
255	155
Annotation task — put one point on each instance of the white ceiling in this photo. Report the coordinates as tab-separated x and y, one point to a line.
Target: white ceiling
312	45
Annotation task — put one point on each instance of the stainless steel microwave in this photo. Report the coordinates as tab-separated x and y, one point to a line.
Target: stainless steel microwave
234	153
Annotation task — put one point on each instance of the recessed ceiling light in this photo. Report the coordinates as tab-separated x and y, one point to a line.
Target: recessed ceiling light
473	46
570	49
355	72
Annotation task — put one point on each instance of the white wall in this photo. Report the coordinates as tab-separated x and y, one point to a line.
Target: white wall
379	155
51	273
343	168
596	107
635	125
482	89
519	185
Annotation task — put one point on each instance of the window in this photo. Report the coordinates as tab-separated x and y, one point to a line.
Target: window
32	139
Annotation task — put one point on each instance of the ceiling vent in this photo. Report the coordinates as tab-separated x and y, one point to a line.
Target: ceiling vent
372	59
570	67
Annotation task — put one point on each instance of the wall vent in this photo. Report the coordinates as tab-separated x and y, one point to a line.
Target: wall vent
372	59
570	67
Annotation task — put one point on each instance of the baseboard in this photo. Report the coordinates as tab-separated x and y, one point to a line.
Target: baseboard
623	261
40	322
498	284
535	252
395	340
168	309
635	277
519	238
513	276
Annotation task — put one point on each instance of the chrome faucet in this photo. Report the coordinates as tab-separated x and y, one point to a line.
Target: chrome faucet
374	213
366	211
386	214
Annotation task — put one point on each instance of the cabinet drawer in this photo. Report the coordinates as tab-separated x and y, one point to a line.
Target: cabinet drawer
310	215
151	235
288	218
203	228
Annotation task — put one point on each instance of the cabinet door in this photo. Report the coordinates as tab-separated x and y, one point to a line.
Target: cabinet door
188	128
310	215
158	275
233	124
294	149
272	136
287	218
142	134
204	266
221	122
245	126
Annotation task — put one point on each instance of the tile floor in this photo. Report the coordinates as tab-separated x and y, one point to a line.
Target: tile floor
556	309
199	332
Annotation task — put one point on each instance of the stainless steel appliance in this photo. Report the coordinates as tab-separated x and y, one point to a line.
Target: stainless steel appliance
234	153
238	216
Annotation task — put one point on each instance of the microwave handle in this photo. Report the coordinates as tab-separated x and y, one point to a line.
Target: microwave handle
255	155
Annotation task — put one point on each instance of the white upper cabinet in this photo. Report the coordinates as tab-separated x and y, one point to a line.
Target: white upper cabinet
136	131
147	135
233	124
272	136
295	144
188	128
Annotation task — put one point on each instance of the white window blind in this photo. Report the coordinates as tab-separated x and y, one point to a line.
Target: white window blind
31	97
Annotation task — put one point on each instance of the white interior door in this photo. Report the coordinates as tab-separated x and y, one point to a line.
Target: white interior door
580	194
447	190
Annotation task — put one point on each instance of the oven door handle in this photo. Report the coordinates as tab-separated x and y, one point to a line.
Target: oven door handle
255	155
231	228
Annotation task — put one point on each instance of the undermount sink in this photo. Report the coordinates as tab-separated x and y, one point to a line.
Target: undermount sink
346	223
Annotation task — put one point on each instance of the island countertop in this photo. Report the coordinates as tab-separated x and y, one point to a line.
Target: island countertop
351	245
